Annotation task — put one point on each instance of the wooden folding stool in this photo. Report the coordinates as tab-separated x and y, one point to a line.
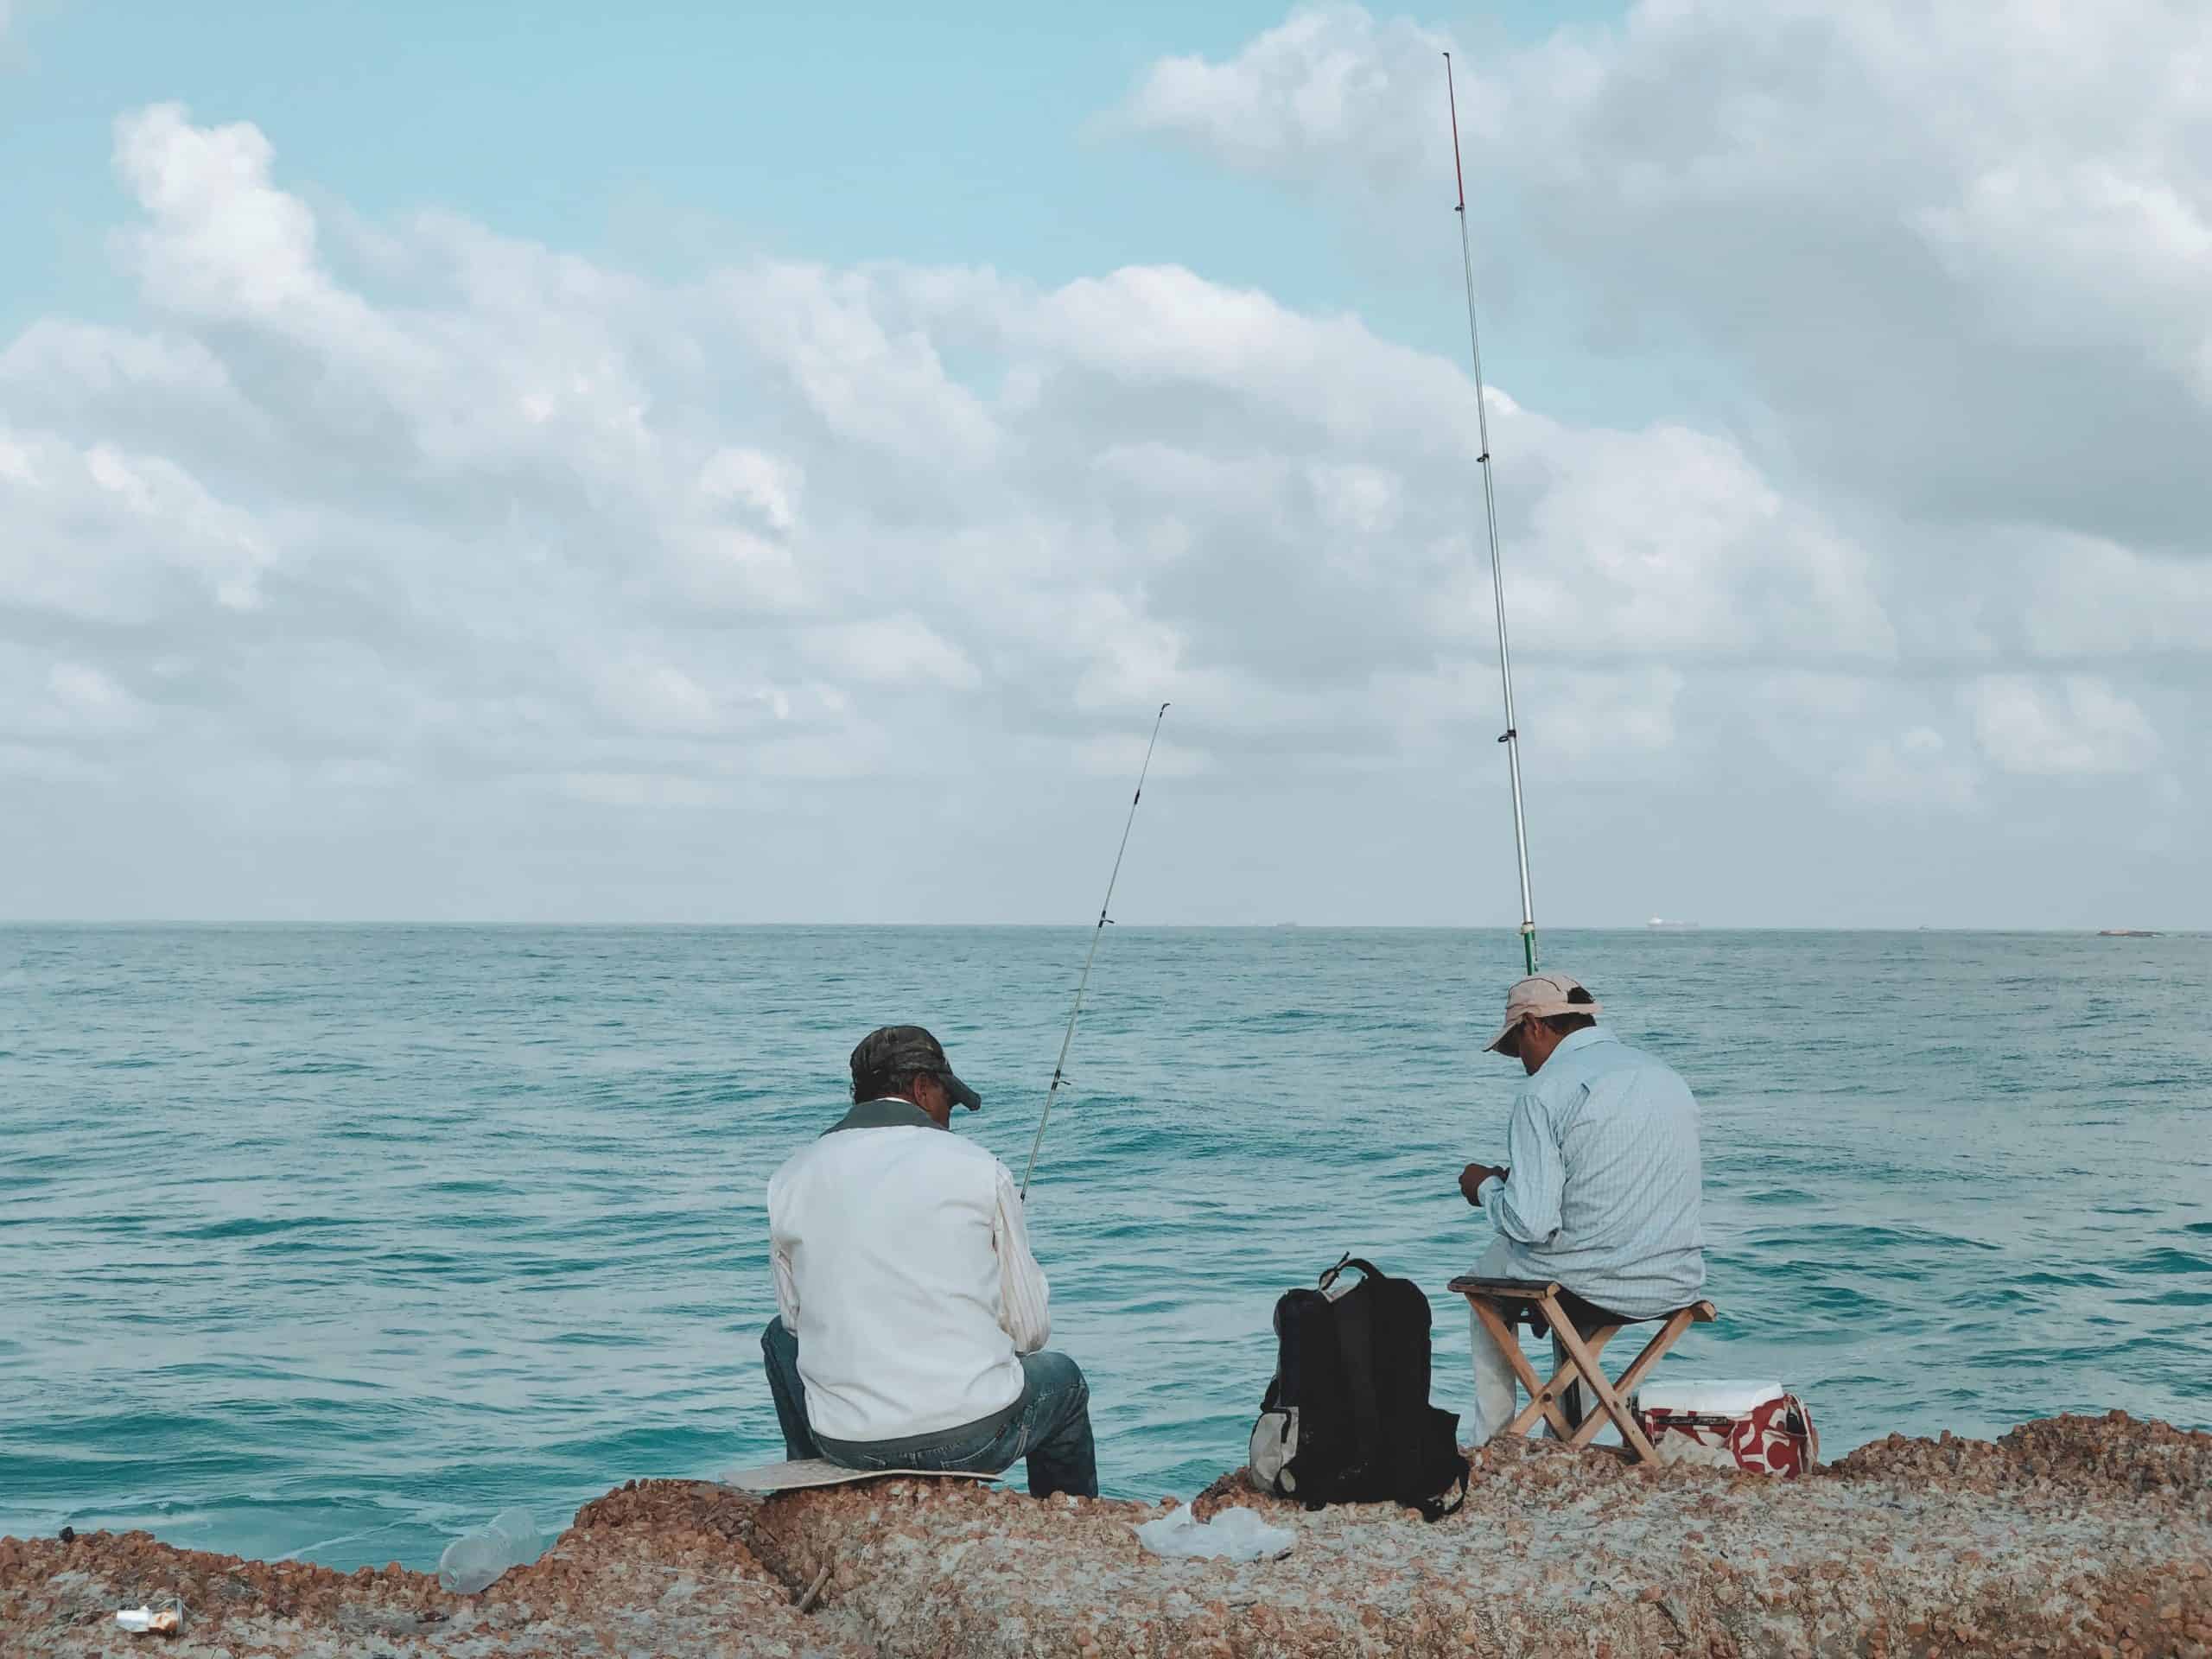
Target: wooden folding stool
1504	1305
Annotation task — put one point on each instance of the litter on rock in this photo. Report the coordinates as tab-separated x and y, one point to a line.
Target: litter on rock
1236	1535
142	1621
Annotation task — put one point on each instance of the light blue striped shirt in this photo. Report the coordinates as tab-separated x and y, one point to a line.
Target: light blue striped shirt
1605	1173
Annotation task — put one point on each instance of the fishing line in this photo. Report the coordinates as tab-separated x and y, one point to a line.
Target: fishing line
1512	735
1059	1073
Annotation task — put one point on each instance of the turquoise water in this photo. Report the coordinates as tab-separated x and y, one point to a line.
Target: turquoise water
335	1241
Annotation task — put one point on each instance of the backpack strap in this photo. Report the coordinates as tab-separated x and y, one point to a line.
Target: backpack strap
1435	1509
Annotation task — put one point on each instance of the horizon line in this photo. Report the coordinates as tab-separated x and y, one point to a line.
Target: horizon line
1508	928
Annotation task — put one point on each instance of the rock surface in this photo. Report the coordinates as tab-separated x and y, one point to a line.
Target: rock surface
2075	1535
660	1567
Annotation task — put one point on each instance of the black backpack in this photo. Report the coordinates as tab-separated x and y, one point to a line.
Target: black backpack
1347	1419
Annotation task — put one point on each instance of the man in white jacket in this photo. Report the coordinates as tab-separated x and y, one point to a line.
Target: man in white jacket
911	1317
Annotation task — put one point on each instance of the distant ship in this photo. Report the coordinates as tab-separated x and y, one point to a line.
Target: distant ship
2126	933
1665	926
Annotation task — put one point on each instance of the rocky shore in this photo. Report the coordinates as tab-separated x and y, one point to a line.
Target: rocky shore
2073	1535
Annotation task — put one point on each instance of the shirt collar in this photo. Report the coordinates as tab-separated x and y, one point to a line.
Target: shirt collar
887	1114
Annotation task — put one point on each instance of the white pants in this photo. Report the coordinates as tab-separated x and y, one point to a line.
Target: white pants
1497	1390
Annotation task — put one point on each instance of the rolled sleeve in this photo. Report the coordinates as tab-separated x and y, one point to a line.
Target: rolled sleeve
1025	1296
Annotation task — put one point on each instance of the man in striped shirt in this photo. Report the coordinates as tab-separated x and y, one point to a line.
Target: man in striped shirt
911	1317
1601	1188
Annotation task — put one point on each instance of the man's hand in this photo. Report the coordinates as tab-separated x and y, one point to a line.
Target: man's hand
1472	1177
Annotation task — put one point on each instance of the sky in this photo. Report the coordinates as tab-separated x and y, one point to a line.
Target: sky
675	463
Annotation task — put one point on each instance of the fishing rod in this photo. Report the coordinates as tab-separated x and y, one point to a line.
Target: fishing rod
1511	737
1059	1072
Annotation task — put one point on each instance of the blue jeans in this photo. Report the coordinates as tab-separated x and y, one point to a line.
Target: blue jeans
1049	1425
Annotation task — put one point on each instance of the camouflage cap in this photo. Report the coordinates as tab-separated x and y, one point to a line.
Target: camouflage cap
890	1050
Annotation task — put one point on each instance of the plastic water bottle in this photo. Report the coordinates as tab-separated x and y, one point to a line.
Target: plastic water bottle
475	1560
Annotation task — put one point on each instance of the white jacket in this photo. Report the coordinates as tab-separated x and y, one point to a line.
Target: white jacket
903	1266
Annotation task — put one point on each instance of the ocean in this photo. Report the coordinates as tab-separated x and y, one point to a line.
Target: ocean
330	1242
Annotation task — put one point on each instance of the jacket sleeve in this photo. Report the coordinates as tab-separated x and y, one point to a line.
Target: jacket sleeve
1024	1312
1526	1207
780	1263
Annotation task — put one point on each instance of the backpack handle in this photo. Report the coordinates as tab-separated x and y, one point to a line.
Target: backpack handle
1367	1269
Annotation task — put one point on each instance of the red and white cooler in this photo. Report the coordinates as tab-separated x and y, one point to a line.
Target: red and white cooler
1757	1428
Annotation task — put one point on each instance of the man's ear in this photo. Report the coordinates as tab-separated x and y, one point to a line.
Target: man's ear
932	1097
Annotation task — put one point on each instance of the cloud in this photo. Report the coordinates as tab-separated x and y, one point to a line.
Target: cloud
1140	482
1947	272
1327	89
1957	257
746	477
2085	599
1670	541
1121	755
1914	768
474	543
67	704
98	533
2079	727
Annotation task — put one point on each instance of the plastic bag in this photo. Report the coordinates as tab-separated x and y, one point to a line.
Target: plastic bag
1232	1535
166	1620
476	1560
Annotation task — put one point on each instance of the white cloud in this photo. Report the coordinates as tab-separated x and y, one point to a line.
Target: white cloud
447	524
221	240
88	361
2079	727
89	698
1957	255
875	386
1669	540
658	698
54	700
1947	267
1600	714
1327	88
536	520
1914	768
769	487
1120	755
98	533
2085	597
889	651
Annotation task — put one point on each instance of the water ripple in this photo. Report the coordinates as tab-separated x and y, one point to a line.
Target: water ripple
331	1242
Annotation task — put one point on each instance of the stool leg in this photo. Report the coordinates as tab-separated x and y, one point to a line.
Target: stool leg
1580	1413
1559	1388
1653	1351
1594	1374
1631	1379
1542	1396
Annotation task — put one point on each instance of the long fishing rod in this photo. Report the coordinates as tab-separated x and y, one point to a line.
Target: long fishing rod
1511	737
1059	1072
